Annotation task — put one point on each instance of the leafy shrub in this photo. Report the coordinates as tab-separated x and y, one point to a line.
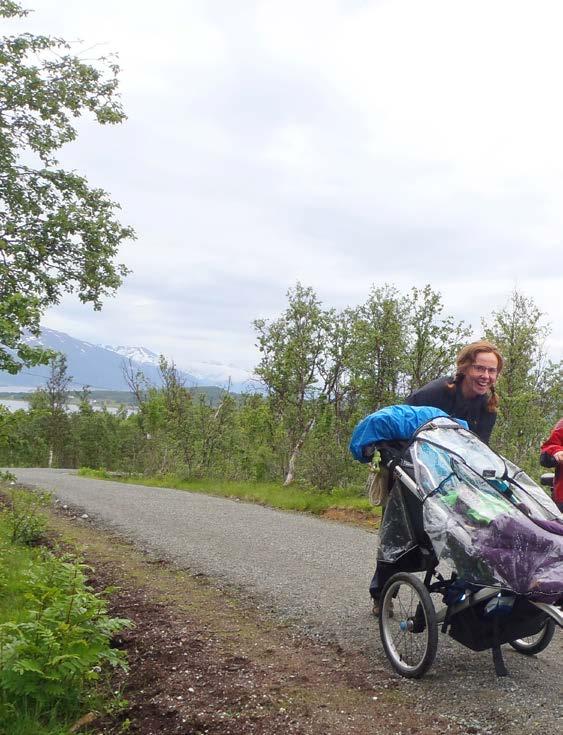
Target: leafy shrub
26	521
326	463
48	659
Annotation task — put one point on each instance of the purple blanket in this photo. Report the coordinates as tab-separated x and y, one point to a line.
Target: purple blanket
527	556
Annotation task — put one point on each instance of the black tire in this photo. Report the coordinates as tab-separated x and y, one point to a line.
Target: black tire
533	644
407	625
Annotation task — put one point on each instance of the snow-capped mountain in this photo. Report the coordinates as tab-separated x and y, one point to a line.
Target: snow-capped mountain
137	354
204	373
102	366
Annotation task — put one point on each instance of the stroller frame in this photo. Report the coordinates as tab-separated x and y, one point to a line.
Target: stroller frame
409	622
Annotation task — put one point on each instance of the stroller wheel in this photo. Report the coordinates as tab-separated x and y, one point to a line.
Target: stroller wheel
407	625
535	643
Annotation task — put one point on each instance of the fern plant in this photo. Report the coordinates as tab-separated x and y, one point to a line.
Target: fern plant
48	660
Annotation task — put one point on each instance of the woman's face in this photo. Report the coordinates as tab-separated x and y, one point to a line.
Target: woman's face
480	375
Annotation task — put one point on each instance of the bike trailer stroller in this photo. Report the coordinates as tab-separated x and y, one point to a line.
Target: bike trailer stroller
487	538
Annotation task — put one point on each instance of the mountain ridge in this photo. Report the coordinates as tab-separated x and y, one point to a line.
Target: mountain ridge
101	367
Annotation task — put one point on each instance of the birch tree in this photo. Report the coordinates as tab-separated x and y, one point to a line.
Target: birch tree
298	371
379	334
433	340
530	385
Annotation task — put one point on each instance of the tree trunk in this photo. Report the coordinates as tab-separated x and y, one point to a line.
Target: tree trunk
295	453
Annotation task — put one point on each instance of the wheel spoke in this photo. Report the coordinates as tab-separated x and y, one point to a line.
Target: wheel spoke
408	641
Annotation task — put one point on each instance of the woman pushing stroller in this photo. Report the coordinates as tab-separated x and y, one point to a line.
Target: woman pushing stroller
469	395
487	538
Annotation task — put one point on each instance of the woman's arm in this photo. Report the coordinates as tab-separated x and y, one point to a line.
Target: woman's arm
554	445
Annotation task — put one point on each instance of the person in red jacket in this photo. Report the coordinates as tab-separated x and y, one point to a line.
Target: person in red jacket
552	456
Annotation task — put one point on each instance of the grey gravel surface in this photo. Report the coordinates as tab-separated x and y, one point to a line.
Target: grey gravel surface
315	573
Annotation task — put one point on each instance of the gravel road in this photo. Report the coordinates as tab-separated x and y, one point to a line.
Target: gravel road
315	573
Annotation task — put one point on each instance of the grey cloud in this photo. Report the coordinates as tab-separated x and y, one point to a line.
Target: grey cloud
190	196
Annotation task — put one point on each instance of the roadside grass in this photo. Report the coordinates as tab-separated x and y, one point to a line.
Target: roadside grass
15	561
55	637
274	495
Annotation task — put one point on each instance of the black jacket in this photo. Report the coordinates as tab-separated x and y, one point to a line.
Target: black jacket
453	402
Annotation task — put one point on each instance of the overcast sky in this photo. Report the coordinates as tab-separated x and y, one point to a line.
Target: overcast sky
341	143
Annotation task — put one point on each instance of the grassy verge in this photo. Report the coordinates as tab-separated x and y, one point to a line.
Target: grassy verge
55	633
271	494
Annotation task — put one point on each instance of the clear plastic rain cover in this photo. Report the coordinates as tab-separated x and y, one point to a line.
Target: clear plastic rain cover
484	516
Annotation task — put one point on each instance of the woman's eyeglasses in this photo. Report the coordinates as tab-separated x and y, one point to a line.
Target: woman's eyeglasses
483	370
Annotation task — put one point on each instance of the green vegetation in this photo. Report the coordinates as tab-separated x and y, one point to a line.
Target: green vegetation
322	373
25	521
54	631
272	494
